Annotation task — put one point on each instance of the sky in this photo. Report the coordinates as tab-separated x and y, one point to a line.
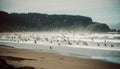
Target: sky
104	11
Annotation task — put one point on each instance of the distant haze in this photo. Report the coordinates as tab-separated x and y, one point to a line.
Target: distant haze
105	11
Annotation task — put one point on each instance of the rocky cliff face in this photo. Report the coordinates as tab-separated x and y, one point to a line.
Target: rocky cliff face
97	27
42	22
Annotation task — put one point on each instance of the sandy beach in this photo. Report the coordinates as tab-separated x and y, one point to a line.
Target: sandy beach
66	52
45	60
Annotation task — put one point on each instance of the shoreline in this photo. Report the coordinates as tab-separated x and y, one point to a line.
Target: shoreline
75	46
50	60
87	53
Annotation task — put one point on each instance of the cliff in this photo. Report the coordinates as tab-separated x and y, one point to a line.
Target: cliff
44	22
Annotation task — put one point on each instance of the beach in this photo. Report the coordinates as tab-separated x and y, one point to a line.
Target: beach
45	60
45	50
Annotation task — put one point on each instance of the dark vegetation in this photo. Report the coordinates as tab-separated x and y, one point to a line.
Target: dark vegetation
5	65
97	27
15	22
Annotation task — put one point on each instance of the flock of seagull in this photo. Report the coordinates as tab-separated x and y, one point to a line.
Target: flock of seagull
52	39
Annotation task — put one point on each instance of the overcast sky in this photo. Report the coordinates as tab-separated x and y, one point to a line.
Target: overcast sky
106	11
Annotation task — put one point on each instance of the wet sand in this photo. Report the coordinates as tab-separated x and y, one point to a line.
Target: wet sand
44	60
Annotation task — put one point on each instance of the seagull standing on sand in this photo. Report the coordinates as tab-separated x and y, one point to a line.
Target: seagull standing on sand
98	44
35	41
112	45
105	44
51	47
